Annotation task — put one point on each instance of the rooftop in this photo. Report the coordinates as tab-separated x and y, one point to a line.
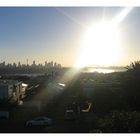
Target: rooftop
9	82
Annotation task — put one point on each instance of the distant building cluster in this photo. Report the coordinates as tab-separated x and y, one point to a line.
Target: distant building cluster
33	65
18	68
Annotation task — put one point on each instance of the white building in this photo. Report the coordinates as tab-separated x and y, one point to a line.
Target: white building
11	90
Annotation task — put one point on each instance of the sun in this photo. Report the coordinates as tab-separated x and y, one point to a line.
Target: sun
100	45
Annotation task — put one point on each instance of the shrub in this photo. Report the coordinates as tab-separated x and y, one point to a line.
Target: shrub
122	121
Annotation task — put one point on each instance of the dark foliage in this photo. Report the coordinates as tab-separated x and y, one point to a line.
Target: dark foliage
120	121
132	86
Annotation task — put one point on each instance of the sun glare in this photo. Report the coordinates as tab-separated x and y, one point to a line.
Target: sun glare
100	45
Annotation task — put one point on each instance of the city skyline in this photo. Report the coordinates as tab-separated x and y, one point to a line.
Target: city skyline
56	33
33	63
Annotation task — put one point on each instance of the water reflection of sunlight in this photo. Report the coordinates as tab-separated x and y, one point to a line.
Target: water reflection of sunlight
101	70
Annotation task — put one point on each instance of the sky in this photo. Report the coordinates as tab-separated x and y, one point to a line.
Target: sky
55	33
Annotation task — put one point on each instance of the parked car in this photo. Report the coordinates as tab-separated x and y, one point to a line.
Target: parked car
70	115
39	121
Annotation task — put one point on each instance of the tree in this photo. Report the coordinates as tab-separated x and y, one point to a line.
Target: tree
120	121
132	87
134	67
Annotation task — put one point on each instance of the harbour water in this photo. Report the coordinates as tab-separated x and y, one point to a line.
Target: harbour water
103	70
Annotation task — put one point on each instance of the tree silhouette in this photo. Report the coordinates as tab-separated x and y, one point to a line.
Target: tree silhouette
134	67
132	85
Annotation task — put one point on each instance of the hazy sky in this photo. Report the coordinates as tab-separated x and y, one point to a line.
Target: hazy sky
55	33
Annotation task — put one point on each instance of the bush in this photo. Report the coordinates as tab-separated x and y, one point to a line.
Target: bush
122	121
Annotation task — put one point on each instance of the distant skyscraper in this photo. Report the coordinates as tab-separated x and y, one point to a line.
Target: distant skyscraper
19	65
3	64
46	63
55	64
27	62
59	65
51	64
34	63
14	65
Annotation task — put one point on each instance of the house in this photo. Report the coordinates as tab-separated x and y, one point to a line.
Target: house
11	90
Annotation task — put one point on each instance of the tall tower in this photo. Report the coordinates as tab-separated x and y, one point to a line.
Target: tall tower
34	63
27	62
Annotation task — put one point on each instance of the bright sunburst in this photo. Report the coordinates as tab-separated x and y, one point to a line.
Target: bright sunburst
101	44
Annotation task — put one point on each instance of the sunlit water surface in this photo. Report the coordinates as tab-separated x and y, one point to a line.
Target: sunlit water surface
102	70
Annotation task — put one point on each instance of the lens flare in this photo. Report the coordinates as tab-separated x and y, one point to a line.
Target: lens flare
101	44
